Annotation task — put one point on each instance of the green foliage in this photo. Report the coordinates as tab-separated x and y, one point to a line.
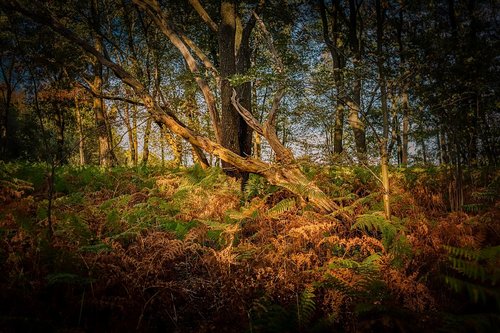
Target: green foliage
466	323
66	278
476	272
257	186
32	173
269	317
179	228
306	306
282	206
369	286
104	232
197	176
376	221
96	248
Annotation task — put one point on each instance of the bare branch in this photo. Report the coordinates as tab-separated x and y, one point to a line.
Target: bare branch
246	115
111	98
271	118
270	43
200	54
204	15
152	8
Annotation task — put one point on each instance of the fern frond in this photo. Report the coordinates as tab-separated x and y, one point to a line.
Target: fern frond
488	195
472	208
251	211
476	264
376	221
475	291
461	252
470	269
282	206
477	270
306	306
477	322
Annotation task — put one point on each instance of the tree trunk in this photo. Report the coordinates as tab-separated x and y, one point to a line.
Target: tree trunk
130	135
384	159
175	145
61	124
338	129
147	133
135	139
354	103
406	127
338	61
81	136
243	64
229	117
4	119
99	110
404	100
104	145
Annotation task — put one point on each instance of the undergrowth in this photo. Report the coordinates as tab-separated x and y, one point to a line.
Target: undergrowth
184	250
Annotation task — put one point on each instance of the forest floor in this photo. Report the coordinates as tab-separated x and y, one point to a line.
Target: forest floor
184	250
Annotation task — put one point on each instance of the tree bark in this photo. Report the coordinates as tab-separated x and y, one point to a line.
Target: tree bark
104	142
406	127
404	100
81	136
6	105
231	126
384	157
130	135
147	133
354	103
175	145
338	61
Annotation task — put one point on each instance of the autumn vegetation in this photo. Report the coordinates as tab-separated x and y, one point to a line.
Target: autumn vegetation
249	166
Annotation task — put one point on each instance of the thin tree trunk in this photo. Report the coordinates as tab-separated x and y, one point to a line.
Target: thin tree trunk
104	145
406	127
354	102
60	123
338	66
4	128
135	138
404	100
338	129
147	133
81	136
130	135
385	112
175	145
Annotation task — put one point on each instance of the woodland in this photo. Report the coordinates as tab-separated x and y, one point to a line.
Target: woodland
249	166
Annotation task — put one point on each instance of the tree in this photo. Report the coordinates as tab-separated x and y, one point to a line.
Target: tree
337	54
286	174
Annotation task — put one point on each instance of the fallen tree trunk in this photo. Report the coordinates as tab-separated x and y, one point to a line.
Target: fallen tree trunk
286	174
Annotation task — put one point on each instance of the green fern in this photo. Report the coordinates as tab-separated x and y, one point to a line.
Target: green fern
306	307
377	222
305	191
475	272
477	322
249	211
257	186
267	316
282	206
369	270
489	194
66	278
472	208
